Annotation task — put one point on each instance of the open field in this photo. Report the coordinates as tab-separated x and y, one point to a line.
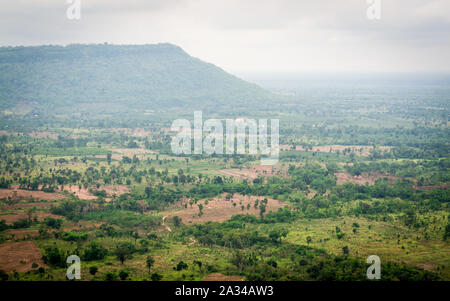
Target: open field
20	256
254	172
220	209
36	195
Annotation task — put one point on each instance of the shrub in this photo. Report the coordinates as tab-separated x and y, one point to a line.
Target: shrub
156	277
52	222
73	236
3	276
181	266
94	251
110	276
123	275
93	270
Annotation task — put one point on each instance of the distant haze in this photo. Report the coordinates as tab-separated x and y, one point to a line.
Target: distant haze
251	36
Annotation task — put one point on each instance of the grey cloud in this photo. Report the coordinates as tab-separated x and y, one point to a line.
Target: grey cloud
250	34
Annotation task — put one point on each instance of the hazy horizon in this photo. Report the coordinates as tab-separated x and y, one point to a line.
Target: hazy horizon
252	36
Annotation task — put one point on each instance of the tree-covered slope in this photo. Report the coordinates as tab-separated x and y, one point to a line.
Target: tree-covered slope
156	75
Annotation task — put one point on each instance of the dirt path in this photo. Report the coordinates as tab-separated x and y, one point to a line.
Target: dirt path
193	241
164	224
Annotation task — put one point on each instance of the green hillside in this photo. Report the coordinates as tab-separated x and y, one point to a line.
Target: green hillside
78	76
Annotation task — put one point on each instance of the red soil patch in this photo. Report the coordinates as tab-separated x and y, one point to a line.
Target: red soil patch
219	209
43	135
37	205
343	177
37	195
81	225
20	234
11	218
84	194
19	256
26	205
221	277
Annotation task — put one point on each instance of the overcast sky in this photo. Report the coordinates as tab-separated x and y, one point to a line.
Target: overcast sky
251	36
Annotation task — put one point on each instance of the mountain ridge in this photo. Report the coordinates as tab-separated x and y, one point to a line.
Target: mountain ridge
151	74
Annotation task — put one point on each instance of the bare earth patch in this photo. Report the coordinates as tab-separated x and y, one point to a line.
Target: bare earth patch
84	193
221	277
427	266
220	209
43	135
19	256
254	172
343	177
37	195
11	218
20	234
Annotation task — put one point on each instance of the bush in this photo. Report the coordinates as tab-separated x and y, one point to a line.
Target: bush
73	236
3	225
54	257
110	276
94	251
3	276
181	266
124	251
123	275
156	277
53	222
22	223
93	270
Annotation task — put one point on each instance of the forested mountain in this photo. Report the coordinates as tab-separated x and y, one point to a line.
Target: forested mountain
143	76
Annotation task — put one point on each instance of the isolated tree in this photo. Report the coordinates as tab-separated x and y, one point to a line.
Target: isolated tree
262	209
308	240
447	232
123	275
345	250
156	277
150	262
181	266
176	221
108	158
148	191
198	263
124	251
93	270
30	212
